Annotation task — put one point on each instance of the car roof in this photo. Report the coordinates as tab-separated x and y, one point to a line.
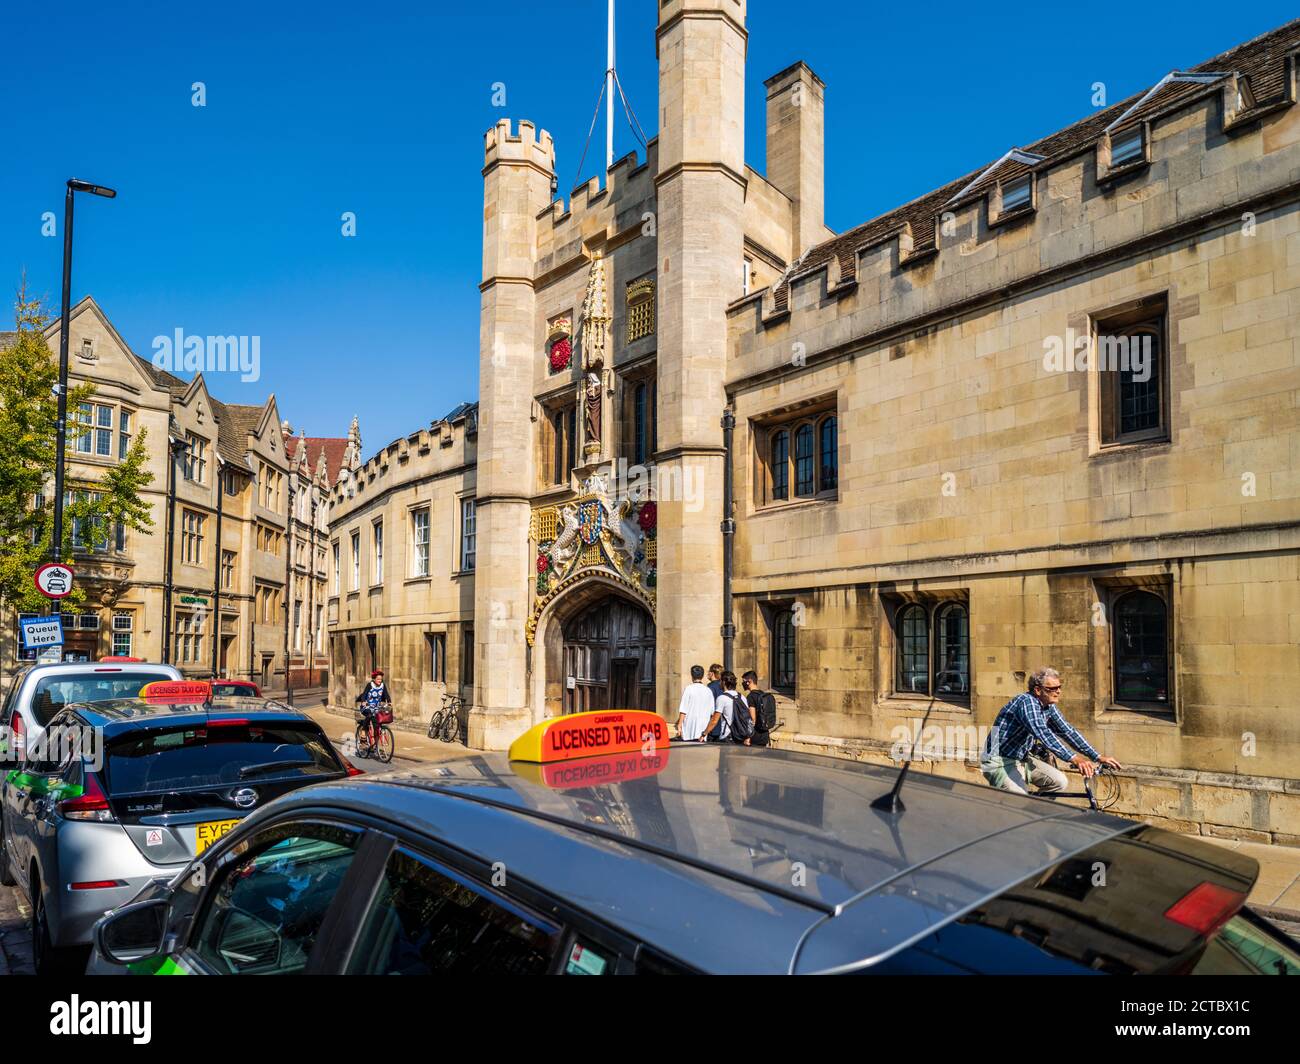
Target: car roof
125	714
737	858
99	666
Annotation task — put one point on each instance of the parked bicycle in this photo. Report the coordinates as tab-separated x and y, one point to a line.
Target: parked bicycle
374	737
445	722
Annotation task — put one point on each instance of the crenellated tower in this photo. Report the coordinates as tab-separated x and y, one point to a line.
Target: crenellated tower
701	195
518	170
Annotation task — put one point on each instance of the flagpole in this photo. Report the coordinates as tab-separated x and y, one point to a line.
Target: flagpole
609	93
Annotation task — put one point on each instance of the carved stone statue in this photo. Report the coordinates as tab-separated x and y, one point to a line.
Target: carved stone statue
593	412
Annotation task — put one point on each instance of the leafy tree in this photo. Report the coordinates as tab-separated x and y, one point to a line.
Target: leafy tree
29	374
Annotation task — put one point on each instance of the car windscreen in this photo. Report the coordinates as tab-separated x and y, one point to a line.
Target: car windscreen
216	754
235	690
57	690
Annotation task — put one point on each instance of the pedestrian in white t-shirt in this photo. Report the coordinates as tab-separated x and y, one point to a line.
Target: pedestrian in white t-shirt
696	706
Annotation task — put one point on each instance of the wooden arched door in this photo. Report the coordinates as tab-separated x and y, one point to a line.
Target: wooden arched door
609	657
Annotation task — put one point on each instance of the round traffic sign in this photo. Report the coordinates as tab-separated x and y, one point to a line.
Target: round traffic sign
54	580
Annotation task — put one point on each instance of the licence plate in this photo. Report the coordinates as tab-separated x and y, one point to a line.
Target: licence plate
206	834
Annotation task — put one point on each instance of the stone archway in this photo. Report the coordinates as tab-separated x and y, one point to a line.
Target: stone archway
608	657
602	637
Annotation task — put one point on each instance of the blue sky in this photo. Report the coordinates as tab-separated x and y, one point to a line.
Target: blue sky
228	216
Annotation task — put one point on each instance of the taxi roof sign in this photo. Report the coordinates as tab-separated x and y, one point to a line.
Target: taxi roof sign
600	770
177	692
601	732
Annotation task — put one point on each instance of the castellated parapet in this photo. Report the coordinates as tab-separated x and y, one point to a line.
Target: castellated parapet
499	145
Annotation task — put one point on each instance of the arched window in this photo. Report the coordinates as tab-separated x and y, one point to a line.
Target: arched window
952	655
781	465
804	483
1141	648
829	454
913	650
783	650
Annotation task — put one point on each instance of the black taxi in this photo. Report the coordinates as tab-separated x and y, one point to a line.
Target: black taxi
598	847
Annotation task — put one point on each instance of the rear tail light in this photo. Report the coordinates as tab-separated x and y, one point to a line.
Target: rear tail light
18	730
98	884
1206	908
351	768
91	804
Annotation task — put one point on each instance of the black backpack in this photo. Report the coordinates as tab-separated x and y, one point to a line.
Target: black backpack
765	711
742	725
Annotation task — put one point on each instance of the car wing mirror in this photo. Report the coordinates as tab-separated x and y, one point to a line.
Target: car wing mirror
132	933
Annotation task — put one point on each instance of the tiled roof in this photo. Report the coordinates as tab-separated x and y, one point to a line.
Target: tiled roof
235	422
162	379
1261	62
332	447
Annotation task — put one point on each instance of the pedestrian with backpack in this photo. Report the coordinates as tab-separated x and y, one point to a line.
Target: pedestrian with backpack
762	704
729	712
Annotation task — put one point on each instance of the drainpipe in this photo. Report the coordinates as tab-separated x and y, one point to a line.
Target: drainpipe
216	575
728	543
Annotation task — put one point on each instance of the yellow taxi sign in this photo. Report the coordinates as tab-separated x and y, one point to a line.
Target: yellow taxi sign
601	732
177	692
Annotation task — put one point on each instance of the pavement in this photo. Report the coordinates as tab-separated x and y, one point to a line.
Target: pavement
1277	891
409	744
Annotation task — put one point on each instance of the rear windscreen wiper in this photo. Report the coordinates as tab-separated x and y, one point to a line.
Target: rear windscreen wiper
272	766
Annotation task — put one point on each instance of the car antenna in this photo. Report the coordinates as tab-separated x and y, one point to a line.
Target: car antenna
891	802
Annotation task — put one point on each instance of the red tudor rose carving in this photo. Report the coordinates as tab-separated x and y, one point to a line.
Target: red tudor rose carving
647	516
561	353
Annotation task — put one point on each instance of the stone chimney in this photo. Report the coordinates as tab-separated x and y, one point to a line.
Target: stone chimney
796	163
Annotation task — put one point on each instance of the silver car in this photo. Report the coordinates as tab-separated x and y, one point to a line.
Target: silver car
129	791
38	692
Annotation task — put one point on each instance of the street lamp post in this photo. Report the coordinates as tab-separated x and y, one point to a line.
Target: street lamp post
61	439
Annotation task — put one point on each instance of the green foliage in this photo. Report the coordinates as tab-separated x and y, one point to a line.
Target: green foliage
28	429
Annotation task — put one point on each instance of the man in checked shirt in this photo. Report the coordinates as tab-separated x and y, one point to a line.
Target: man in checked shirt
1028	724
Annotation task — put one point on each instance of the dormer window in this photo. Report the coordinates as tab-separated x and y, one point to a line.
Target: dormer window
1126	147
1017	194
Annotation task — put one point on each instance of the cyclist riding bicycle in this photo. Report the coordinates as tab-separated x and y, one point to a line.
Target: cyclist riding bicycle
1026	730
374	697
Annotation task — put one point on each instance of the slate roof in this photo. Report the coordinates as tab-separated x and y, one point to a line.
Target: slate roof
1261	62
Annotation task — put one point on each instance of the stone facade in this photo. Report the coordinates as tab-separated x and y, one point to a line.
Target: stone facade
404	602
929	501
220	607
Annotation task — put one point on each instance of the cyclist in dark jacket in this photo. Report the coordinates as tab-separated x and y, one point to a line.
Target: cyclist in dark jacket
374	694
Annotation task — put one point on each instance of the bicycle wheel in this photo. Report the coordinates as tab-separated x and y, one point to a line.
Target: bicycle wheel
435	724
450	728
384	744
363	741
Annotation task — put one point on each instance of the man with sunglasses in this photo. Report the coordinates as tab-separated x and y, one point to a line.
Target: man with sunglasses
1026	726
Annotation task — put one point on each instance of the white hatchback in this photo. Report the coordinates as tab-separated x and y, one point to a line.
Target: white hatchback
38	692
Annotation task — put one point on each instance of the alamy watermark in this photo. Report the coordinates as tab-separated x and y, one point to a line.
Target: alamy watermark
1077	352
180	353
